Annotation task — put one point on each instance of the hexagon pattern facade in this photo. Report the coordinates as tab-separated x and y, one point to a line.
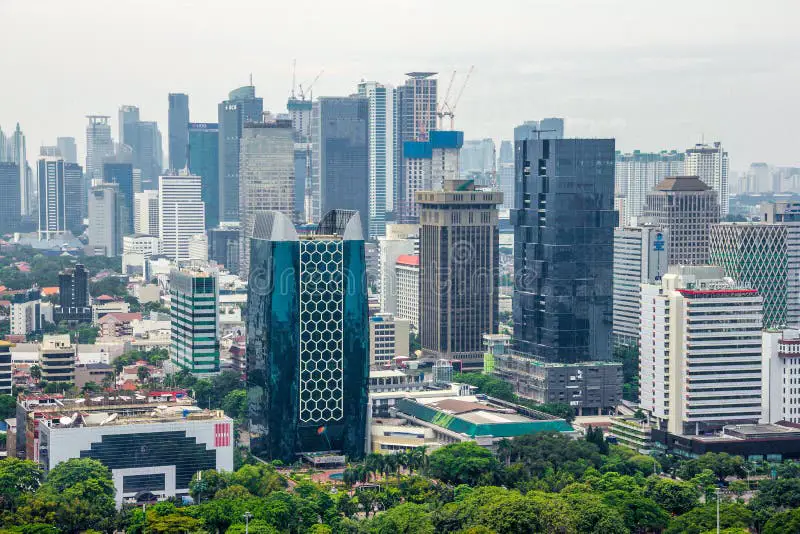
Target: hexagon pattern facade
321	330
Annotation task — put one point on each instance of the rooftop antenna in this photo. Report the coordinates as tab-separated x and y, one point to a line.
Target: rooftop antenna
251	79
294	75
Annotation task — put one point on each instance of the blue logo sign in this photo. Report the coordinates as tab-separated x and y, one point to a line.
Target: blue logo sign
658	244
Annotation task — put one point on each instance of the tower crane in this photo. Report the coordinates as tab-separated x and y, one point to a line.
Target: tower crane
447	108
308	87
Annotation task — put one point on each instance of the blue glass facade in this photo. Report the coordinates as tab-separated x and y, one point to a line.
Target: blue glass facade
307	337
122	174
564	222
178	133
204	162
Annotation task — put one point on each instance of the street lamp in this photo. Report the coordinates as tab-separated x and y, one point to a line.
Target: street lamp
248	515
717	492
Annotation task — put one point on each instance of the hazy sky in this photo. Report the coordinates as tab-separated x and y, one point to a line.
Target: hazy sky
653	74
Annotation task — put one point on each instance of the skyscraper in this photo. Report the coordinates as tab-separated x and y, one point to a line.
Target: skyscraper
105	237
18	155
400	239
242	106
73	296
563	248
75	196
266	177
148	154
204	162
710	164
122	175
381	153
9	197
181	213
551	128
68	150
505	173
688	208
52	214
128	117
459	271
178	130
194	310
477	161
307	337
99	145
637	173
340	158
145	208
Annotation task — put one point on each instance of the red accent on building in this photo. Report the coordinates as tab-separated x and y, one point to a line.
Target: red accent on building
702	292
408	259
222	435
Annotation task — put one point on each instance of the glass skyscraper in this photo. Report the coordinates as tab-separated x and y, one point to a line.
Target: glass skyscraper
204	162
122	174
178	130
563	248
307	337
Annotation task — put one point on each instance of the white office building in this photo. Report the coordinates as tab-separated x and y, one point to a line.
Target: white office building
105	236
399	239
388	338
407	273
26	312
381	153
780	375
181	214
198	248
636	173
640	257
710	163
700	360
145	212
52	211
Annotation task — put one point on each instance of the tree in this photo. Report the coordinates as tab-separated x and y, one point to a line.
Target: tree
256	526
675	496
8	407
142	373
259	479
90	387
463	463
172	523
36	372
69	473
784	523
511	513
595	435
406	518
640	513
16	478
235	403
704	518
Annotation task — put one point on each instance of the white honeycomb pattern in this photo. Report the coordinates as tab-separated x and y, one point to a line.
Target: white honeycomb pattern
321	355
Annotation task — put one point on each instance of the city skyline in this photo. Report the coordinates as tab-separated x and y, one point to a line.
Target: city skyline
677	73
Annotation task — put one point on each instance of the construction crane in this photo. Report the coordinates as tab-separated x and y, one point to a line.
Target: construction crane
308	87
447	108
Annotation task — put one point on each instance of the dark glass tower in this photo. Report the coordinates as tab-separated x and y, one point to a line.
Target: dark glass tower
563	248
122	174
307	337
178	130
74	196
204	162
73	296
9	197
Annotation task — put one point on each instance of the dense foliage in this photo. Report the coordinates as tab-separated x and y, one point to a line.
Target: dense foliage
44	269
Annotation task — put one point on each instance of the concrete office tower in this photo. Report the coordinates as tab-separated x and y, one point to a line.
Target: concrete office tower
762	257
204	162
400	239
563	249
640	257
52	214
426	166
57	356
307	338
300	114
198	249
148	155
105	236
381	153
340	156
145	213
6	375
445	156
637	173
478	162
99	146
73	296
780	367
75	197
459	264
388	338
68	149
18	155
241	107
128	117
266	177
194	311
407	274
122	175
688	208
710	164
759	179
552	128
178	130
505	173
223	246
700	369
26	312
10	199
181	214
788	213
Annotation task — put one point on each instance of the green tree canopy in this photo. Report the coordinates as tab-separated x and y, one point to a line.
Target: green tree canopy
463	463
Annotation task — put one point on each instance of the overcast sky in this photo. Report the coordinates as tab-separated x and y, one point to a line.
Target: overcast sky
652	74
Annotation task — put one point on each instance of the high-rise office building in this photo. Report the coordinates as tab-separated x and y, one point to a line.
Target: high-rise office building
145	213
640	257
478	162
688	208
700	365
266	177
340	157
459	271
99	146
637	173
505	173
780	369
52	214
73	296
204	162
407	274
105	235
51	151
760	256
128	117
563	248
75	197
6	375
18	155
198	249
307	337
26	312
551	128
400	239
148	155
178	130
381	153
224	245
3	147
122	175
10	209
181	213
300	113
787	213
710	164
68	149
194	311
241	107
388	338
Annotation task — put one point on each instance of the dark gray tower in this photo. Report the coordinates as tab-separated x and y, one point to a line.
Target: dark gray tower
178	130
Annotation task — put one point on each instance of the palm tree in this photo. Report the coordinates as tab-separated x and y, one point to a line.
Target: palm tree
390	464
36	372
374	463
504	451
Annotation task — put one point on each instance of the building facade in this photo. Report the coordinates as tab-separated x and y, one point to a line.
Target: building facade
204	162
505	173
145	213
637	173
564	223
73	296
6	376
459	271
780	376
26	312
105	223
181	214
99	145
10	207
57	355
710	164
399	239
307	337
122	175
75	197
194	312
178	130
388	338
52	211
407	275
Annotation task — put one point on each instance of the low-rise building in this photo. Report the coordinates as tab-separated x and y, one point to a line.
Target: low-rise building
57	358
388	338
117	324
26	312
395	380
754	442
105	304
633	433
92	372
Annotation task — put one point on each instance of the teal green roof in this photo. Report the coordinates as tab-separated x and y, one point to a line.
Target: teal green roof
498	430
